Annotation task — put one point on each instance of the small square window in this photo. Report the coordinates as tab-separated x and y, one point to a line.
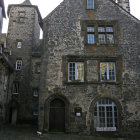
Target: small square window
75	71
90	4
19	44
18	64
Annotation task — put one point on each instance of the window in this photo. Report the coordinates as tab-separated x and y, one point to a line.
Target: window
100	34
107	71
105	35
90	4
19	44
18	64
75	71
38	68
105	115
16	88
21	17
35	92
91	36
35	113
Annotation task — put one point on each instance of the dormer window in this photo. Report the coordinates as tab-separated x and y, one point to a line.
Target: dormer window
90	4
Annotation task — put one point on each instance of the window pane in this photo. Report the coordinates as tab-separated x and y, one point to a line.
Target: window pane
18	64
110	38
71	71
103	71
90	4
106	114
76	71
101	29
109	29
91	39
90	29
101	38
80	71
107	71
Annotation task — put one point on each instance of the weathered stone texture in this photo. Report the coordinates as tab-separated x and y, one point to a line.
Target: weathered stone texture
64	37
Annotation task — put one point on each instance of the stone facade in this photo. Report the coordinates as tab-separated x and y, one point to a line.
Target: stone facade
87	103
65	40
24	28
6	70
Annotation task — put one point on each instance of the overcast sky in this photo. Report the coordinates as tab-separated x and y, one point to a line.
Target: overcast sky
46	6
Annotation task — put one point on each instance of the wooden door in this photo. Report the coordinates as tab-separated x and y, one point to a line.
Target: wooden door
57	116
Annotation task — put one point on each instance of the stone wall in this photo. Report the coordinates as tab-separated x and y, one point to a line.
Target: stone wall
64	41
24	27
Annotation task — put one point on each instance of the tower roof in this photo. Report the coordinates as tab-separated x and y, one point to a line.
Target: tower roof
26	2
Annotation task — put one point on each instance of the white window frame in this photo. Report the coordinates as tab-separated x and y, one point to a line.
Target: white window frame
18	64
76	71
108	75
90	4
105	105
19	44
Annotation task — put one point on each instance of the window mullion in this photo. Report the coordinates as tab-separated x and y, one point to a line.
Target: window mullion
115	70
107	71
98	116
76	71
113	116
68	71
105	116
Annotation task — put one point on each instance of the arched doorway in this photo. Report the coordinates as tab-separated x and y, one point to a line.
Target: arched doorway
57	115
105	115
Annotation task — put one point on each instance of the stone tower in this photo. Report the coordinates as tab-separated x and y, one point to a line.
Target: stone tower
124	4
23	35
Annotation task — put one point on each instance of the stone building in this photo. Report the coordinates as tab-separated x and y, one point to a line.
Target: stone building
23	41
6	70
84	76
2	14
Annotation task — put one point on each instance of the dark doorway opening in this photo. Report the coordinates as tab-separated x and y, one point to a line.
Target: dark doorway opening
57	116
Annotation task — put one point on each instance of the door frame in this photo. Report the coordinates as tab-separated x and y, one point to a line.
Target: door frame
47	111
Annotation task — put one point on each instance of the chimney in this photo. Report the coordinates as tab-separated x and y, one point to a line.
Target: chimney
124	4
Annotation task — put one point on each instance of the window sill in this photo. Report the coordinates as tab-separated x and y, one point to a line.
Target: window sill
100	45
74	83
105	129
86	83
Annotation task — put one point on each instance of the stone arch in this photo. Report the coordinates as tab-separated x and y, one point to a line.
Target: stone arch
91	110
47	111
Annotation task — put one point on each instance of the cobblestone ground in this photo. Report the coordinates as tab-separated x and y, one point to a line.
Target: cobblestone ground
27	132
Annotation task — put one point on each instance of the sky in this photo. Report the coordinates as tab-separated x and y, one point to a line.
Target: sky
46	6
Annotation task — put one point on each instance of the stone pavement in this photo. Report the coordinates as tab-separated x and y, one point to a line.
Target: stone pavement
26	132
